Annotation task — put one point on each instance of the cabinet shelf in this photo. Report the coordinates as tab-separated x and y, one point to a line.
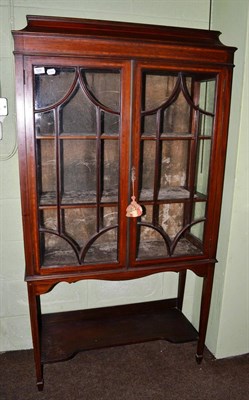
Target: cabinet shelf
170	194
110	197
107	252
66	334
157	249
103	252
72	136
170	136
78	198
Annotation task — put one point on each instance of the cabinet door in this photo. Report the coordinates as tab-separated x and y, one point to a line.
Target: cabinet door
172	141
76	143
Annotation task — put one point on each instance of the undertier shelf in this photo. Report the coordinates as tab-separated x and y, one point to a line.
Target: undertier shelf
67	333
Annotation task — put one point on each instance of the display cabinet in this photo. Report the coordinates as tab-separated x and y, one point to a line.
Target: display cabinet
122	141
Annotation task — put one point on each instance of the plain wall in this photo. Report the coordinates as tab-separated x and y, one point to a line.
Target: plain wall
228	333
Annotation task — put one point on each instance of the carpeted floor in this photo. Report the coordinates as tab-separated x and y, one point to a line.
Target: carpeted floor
148	371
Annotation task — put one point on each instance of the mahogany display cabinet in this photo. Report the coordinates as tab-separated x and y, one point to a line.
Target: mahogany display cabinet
122	142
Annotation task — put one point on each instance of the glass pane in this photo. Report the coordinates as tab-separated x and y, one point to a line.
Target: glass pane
186	246
176	118
158	88
51	84
168	220
174	167
168	216
172	172
203	161
205	125
149	125
169	98
171	218
48	219
148	154
78	114
207	95
46	171
79	224
104	86
44	123
110	216
110	170
151	244
78	171
56	251
109	124
104	248
199	211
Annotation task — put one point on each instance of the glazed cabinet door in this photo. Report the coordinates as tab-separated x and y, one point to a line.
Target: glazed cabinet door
77	140
172	143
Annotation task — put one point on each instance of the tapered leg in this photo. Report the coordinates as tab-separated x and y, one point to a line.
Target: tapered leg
35	319
204	312
181	288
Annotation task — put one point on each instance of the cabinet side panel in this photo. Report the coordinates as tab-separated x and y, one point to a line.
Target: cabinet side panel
22	152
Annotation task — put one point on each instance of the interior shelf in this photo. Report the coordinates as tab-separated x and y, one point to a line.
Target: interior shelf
173	193
169	193
97	253
76	136
65	334
78	197
157	249
168	135
107	252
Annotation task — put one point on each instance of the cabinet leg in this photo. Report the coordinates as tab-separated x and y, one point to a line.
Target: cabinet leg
40	385
35	319
204	312
181	288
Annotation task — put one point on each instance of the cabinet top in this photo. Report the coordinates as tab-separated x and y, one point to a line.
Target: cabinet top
111	31
122	30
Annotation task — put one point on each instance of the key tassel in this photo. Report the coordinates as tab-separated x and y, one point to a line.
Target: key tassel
134	209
